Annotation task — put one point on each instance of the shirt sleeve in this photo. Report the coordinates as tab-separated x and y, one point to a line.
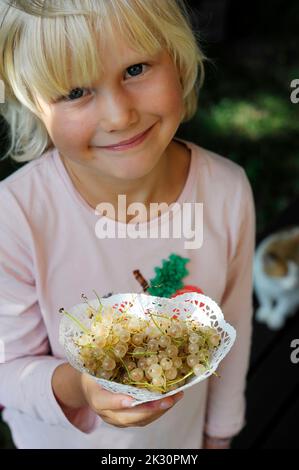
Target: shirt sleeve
26	363
226	405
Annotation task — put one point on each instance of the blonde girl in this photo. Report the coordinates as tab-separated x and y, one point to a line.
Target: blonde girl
95	91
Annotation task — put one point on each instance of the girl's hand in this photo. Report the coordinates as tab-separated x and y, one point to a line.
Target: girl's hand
114	408
216	442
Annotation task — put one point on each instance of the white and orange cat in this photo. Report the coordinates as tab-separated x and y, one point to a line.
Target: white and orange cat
276	277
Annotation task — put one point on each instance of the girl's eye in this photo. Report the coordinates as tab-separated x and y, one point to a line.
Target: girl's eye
75	94
78	93
135	69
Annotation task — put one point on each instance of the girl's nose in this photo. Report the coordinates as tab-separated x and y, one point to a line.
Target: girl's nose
116	111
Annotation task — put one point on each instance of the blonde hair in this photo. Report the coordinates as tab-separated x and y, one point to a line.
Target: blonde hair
48	46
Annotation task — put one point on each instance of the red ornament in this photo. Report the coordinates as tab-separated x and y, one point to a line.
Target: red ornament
187	289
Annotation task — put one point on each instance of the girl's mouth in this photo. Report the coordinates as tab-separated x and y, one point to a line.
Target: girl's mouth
135	143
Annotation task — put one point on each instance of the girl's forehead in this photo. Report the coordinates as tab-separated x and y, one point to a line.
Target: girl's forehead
116	44
120	52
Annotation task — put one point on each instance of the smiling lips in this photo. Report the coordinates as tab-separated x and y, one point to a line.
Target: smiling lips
126	144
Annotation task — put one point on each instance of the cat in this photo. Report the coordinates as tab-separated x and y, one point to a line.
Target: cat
276	277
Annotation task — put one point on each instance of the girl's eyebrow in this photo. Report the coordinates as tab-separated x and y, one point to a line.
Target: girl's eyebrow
139	57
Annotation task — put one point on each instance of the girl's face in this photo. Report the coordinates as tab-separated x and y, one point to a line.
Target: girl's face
135	93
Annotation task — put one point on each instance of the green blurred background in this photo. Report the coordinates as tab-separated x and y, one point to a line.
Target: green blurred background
245	112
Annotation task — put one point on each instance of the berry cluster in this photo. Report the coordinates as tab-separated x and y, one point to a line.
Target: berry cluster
156	352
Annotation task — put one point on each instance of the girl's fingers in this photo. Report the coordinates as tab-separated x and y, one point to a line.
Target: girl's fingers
165	402
159	405
106	400
144	414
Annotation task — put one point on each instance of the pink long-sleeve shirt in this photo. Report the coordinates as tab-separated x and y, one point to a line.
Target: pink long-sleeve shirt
50	254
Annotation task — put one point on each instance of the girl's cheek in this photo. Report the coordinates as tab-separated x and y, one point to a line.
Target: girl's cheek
76	130
168	95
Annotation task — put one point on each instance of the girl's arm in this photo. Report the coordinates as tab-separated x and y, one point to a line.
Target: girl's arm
226	397
26	366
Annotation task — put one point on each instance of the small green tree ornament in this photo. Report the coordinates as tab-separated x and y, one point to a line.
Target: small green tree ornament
169	278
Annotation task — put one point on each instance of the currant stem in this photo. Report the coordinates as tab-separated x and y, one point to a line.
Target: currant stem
156	324
71	317
173	382
83	296
147	385
125	366
145	353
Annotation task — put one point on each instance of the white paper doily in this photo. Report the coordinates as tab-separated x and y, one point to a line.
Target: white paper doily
191	306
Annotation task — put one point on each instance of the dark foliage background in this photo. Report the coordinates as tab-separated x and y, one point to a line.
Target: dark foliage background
244	111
